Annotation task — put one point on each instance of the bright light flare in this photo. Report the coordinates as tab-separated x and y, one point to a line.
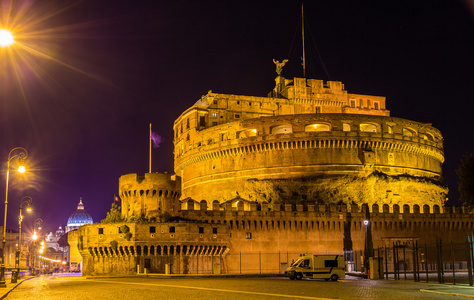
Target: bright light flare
6	38
21	169
34	237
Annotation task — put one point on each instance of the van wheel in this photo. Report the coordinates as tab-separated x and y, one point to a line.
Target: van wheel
299	276
334	277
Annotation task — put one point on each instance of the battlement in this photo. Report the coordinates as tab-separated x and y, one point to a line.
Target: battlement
243	206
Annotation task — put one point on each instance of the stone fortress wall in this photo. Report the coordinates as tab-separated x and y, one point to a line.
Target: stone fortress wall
219	237
295	172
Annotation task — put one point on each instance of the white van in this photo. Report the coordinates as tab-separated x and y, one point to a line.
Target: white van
317	266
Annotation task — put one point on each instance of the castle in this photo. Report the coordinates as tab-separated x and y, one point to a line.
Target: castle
260	180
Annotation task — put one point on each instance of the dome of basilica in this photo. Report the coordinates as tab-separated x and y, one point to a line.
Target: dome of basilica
78	218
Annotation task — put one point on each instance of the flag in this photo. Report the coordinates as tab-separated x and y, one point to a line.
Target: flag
156	138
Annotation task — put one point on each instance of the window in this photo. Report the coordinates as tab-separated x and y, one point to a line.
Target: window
187	137
201	229
368	103
187	123
282	129
215	101
248	235
152	229
202	121
353	103
317	127
305	263
238	102
368	127
214	230
376	105
101	230
330	263
346	127
407	132
214	114
247	133
236	116
172	229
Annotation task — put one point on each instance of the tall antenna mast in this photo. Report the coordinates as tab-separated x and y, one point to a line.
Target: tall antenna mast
302	35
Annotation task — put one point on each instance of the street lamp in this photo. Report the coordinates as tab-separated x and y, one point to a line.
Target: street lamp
6	38
20	154
26	199
37	226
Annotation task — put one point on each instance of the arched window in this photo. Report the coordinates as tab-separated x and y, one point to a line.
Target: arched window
317	127
426	209
190	204
282	129
366	127
247	133
408	132
215	205
346	127
203	205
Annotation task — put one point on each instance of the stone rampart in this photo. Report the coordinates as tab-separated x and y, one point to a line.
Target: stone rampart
118	248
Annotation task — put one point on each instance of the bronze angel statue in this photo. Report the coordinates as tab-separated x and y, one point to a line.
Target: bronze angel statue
279	65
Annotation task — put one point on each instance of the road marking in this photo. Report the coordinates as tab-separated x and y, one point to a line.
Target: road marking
218	290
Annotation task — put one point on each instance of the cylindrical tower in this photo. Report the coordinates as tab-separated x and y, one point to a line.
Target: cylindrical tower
151	196
319	144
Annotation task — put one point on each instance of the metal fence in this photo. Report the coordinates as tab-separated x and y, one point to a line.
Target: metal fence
261	262
408	260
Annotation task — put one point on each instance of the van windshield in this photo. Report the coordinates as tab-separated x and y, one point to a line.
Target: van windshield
297	262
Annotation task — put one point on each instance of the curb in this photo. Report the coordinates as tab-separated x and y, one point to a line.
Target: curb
446	293
169	276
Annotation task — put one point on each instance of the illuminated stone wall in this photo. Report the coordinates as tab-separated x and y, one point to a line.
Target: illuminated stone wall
187	247
277	167
234	240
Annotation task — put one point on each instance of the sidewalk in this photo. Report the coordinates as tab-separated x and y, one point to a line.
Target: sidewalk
11	286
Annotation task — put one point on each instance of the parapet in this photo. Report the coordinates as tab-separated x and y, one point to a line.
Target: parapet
245	205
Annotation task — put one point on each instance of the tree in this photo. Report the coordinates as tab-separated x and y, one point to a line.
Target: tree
114	215
465	172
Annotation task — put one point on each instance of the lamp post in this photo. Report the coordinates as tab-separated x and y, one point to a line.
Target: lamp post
26	199
20	154
366	247
37	226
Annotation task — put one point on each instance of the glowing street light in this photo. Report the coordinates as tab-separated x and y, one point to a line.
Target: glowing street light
20	154
6	38
26	199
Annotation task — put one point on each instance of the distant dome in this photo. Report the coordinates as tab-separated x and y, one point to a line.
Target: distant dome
78	218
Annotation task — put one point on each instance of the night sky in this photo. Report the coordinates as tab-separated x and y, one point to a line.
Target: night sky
90	76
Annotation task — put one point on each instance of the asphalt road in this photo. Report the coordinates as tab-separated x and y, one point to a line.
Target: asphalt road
70	288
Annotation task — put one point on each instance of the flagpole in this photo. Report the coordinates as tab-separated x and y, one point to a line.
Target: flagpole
149	136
